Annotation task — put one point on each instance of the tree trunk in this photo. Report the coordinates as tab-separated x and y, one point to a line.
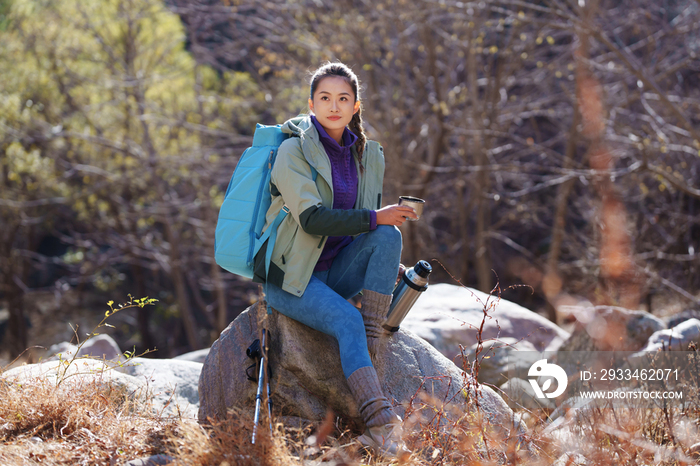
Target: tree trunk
484	276
188	321
483	262
144	313
552	283
463	229
16	333
222	314
618	284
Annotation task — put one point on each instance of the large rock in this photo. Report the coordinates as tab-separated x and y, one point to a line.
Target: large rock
609	328
194	356
100	346
173	383
663	347
572	459
154	460
59	372
307	378
675	339
501	358
448	316
676	319
519	393
169	387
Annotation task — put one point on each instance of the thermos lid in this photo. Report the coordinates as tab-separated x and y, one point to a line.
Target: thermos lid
423	269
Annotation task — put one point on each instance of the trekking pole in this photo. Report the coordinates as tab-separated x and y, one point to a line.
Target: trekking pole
266	345
258	396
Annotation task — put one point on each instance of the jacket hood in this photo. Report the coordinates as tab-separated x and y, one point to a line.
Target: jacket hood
302	127
298	125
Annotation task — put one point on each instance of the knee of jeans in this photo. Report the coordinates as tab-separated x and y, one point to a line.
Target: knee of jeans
390	233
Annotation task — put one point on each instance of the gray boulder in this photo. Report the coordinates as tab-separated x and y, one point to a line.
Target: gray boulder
675	339
154	460
194	356
448	316
172	383
502	358
609	328
80	372
694	451
686	314
571	459
518	393
100	346
54	371
63	350
307	378
168	387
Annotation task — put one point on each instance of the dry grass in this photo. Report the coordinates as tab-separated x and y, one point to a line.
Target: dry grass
631	434
76	423
95	422
98	424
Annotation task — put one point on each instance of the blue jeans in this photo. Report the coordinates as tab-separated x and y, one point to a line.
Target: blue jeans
370	262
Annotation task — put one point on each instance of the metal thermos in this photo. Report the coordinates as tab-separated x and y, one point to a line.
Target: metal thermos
413	283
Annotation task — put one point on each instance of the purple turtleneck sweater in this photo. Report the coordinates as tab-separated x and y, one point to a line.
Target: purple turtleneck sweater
344	174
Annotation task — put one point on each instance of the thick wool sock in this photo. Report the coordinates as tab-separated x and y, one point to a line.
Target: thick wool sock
374	407
374	310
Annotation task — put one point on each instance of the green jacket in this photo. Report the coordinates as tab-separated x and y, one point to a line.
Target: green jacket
302	235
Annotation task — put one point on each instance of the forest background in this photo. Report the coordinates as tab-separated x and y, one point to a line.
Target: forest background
556	143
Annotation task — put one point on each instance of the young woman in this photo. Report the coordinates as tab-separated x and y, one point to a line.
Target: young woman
338	241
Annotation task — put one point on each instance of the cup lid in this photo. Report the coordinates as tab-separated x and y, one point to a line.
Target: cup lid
422	268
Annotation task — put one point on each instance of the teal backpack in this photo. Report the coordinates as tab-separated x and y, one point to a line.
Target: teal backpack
242	215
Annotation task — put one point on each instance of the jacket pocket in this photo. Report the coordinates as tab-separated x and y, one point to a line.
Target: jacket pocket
286	243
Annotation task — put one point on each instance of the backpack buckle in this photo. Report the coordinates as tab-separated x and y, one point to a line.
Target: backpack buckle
285	208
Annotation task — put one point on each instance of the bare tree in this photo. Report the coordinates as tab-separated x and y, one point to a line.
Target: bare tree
142	137
478	106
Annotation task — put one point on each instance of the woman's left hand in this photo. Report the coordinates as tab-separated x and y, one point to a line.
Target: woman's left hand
395	215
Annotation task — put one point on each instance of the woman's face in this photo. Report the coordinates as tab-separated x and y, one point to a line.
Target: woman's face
334	105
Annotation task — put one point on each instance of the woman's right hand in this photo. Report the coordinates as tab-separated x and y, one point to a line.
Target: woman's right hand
395	215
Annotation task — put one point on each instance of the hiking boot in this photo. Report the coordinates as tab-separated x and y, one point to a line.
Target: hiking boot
386	440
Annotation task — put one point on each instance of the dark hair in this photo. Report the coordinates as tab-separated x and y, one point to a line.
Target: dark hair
343	71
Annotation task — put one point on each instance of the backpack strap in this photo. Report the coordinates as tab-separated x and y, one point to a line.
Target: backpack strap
270	235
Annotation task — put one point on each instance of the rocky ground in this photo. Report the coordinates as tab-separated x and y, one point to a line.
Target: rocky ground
451	338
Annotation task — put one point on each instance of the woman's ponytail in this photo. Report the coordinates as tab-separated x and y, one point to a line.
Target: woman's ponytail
356	127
